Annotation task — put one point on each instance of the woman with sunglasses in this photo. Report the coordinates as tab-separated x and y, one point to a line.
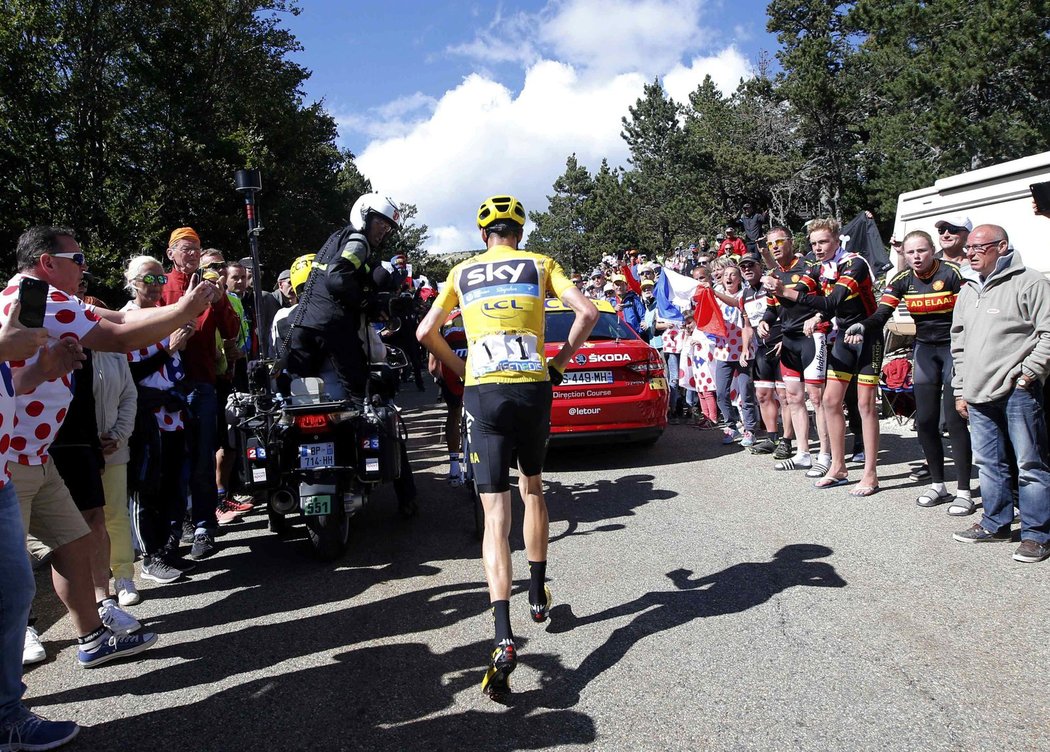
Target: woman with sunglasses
158	447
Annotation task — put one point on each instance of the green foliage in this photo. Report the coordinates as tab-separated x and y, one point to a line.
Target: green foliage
873	98
561	231
412	239
126	119
962	85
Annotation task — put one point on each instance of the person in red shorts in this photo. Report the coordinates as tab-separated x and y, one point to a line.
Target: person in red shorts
451	386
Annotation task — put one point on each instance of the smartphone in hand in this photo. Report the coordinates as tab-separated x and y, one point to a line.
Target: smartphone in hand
32	300
1041	194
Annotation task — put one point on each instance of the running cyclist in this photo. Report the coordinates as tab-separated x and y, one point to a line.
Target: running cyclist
846	280
803	355
507	398
929	287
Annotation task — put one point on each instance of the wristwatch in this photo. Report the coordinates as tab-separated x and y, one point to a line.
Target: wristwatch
1024	381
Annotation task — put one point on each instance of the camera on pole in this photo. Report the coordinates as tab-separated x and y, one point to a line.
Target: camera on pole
249	182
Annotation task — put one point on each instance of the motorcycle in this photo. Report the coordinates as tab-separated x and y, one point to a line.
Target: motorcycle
321	456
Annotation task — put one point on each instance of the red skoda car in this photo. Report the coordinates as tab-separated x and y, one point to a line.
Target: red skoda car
614	388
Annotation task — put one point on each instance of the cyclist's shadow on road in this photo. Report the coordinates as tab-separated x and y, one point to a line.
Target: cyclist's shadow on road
733	590
377	698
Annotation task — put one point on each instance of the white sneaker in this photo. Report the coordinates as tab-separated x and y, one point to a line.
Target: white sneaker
127	594
118	622
33	651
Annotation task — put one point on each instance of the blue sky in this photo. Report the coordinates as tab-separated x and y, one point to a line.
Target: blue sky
431	96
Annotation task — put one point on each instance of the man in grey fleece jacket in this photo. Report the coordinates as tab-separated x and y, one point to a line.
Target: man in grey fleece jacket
1001	346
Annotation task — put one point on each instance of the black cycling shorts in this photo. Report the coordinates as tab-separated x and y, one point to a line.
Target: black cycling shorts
501	419
804	358
863	361
766	374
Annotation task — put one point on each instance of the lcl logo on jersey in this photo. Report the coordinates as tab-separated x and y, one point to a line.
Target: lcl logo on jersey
510	277
505	308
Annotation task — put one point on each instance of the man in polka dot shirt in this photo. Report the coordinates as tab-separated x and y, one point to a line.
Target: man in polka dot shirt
53	255
16	578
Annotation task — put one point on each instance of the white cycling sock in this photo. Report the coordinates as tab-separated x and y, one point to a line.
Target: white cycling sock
938	488
962	494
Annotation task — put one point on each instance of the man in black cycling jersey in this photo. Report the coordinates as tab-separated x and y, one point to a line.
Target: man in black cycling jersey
929	287
803	354
507	398
847	296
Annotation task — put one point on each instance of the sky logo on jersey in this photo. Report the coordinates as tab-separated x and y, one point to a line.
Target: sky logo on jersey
517	277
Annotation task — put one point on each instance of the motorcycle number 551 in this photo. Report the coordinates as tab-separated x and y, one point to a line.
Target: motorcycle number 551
505	352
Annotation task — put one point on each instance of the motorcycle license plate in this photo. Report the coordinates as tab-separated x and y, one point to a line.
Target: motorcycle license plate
317	455
314	505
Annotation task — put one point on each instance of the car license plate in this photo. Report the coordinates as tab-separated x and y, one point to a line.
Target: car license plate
314	505
317	455
588	377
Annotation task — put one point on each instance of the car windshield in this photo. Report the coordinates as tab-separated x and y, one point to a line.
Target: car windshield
609	326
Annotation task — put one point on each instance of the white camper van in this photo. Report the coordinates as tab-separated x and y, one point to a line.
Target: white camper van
998	195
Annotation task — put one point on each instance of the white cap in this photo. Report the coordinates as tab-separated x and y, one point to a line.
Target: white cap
609	287
955	220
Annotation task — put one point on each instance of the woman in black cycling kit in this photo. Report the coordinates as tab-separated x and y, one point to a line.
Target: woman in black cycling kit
929	287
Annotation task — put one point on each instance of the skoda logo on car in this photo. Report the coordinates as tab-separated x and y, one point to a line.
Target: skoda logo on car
615	388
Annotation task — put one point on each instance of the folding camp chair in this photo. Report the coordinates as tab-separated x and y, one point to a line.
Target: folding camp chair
895	381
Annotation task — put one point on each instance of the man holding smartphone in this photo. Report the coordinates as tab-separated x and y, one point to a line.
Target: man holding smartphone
52	255
17	344
199	357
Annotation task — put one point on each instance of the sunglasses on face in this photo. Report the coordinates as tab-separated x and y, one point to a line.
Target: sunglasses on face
776	243
951	230
76	258
216	266
154	279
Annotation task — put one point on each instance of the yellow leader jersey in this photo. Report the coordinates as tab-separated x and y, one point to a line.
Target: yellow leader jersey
501	294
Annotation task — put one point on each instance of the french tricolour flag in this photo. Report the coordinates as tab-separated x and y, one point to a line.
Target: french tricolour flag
674	294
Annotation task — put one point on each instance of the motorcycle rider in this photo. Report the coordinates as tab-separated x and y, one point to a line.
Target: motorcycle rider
347	273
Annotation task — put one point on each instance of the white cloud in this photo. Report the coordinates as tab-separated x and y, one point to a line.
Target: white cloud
396	117
482	140
586	63
616	36
726	69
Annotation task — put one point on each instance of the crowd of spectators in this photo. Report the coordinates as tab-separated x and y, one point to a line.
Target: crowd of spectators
113	427
796	357
115	441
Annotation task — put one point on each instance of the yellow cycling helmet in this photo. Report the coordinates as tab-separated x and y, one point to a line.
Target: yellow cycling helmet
500	208
301	270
